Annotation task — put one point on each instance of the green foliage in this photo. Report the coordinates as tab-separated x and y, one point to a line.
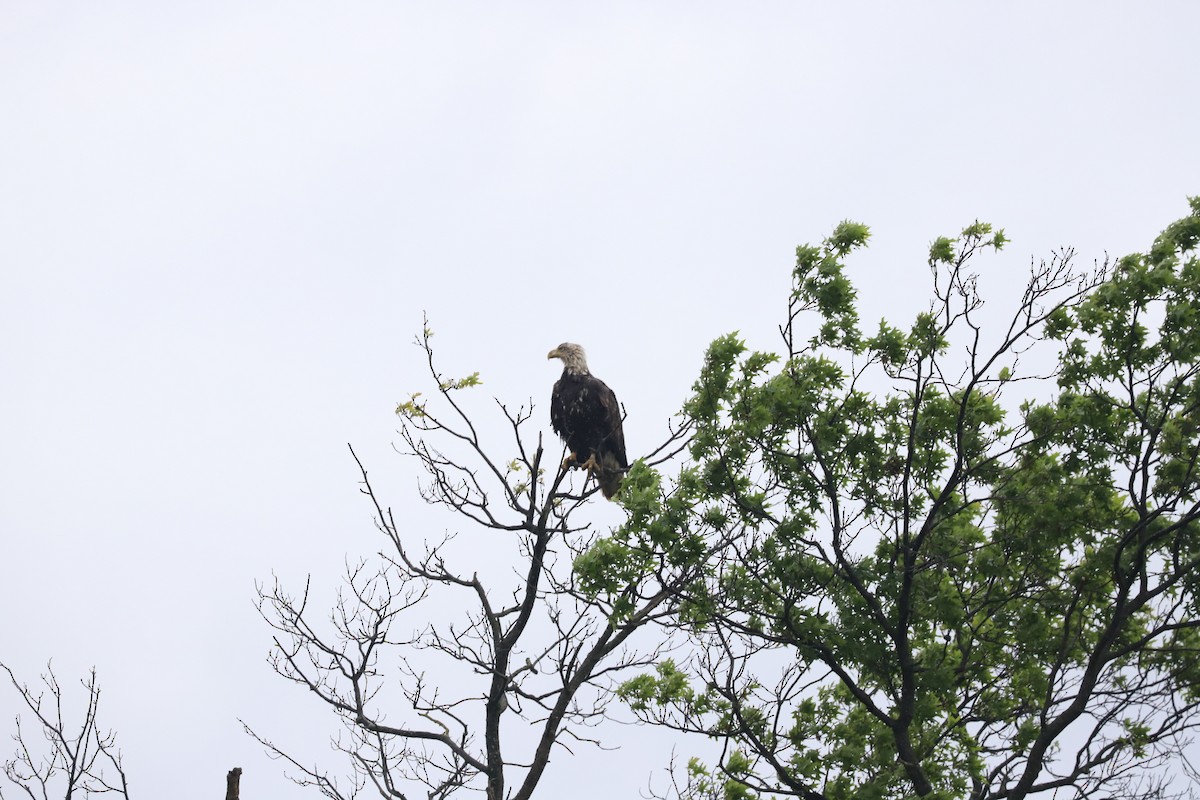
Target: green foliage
939	563
820	283
413	408
947	251
702	785
668	685
449	384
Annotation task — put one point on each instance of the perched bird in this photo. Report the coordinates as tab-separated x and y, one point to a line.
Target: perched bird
585	413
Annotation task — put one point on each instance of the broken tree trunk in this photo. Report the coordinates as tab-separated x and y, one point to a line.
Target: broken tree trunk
231	783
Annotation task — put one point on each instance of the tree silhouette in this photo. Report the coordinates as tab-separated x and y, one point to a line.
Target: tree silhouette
483	700
77	756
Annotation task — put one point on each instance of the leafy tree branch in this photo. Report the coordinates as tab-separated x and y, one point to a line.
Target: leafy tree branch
968	576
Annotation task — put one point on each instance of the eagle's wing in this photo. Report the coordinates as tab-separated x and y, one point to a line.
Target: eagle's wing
614	430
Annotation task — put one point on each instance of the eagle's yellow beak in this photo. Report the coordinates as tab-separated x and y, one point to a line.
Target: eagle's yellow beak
554	354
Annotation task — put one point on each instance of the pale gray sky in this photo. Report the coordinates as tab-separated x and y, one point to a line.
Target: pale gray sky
220	224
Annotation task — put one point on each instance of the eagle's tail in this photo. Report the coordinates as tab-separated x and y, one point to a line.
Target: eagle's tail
609	474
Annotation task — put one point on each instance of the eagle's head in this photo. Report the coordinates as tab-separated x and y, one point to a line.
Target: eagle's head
572	357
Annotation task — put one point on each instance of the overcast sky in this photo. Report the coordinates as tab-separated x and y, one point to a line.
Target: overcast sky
220	224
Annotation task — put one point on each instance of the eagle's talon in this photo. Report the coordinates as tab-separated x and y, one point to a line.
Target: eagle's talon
569	461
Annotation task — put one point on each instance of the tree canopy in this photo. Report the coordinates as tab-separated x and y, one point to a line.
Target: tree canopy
955	557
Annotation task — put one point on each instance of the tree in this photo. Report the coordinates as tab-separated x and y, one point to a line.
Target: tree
948	559
524	670
81	758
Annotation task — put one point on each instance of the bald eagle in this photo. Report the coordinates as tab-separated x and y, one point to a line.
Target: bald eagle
585	413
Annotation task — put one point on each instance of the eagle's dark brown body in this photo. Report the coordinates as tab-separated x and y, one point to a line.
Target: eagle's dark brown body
585	413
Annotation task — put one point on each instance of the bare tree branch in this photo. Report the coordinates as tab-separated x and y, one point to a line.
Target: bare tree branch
533	657
80	757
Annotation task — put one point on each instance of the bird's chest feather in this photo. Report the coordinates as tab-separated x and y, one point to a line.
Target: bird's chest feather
576	405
